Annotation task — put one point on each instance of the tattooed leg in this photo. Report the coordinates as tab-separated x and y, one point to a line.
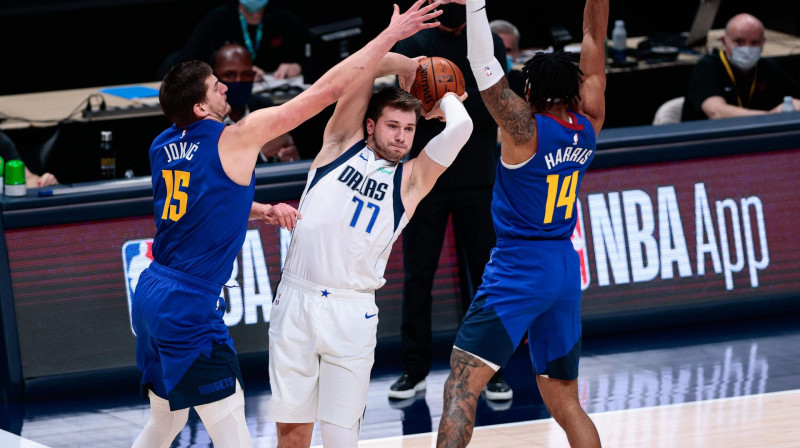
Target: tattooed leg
468	375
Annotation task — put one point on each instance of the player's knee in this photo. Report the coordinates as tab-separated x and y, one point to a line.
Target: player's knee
334	436
162	416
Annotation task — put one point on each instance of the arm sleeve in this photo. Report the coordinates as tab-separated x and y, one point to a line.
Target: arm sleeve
444	147
480	48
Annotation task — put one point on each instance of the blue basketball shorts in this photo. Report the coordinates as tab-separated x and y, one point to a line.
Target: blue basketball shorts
183	349
529	287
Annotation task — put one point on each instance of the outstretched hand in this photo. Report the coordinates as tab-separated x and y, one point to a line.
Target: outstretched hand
415	19
436	110
281	214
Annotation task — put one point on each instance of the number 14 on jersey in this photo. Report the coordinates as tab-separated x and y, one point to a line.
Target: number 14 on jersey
565	195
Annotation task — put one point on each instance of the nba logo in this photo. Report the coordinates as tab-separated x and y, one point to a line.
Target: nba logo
579	244
136	257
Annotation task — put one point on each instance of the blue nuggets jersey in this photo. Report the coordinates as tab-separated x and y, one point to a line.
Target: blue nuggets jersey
201	214
536	199
352	214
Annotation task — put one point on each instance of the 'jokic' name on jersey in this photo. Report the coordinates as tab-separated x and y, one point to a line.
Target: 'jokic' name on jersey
181	150
579	155
355	181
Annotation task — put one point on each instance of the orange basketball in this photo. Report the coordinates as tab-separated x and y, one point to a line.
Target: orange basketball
435	77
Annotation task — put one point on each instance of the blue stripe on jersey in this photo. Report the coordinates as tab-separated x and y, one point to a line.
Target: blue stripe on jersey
325	169
538	199
399	209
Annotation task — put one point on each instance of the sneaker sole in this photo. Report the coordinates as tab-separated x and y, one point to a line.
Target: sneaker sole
408	393
498	396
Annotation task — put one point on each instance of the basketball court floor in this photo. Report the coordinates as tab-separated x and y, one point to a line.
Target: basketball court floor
732	384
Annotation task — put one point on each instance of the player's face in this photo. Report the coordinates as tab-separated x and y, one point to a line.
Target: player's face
216	104
392	135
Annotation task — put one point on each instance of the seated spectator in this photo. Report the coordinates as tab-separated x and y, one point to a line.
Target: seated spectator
8	151
274	37
234	67
510	35
735	81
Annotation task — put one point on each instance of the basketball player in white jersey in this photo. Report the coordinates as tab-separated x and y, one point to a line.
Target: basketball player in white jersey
358	198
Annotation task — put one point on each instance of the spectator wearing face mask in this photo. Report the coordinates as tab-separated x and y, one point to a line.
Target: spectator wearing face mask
233	66
274	37
735	81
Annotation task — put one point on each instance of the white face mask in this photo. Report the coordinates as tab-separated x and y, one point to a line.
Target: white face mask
745	58
253	5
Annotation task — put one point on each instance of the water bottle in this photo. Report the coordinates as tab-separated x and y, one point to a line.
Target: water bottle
619	44
15	178
108	157
788	106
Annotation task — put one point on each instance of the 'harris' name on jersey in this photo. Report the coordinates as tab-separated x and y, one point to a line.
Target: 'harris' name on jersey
180	150
570	154
367	187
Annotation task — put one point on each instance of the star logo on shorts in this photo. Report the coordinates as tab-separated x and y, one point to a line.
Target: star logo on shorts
325	293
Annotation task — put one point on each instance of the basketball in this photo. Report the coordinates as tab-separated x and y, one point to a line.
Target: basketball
435	77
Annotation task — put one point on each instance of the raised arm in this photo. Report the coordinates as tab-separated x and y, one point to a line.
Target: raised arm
420	174
346	125
240	143
593	62
512	113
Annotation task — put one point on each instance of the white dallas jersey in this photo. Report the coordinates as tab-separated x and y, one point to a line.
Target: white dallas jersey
352	214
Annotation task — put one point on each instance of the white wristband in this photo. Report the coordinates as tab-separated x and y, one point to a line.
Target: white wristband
487	75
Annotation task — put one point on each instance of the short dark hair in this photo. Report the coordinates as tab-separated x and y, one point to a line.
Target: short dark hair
183	87
551	78
392	97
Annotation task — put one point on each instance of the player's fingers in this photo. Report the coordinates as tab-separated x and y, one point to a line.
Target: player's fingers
428	8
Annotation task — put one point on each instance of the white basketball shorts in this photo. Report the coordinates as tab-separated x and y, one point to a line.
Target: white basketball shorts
321	351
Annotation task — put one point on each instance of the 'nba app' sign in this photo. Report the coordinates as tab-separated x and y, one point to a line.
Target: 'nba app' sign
638	238
246	301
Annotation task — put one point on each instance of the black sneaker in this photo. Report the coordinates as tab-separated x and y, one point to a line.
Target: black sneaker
497	389
406	387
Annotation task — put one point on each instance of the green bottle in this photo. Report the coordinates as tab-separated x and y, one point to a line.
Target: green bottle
15	178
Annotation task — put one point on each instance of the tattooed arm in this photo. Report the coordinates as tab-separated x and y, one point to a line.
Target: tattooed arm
512	113
517	124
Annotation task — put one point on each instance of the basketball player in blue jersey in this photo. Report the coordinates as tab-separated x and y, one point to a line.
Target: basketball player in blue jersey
357	200
531	285
203	186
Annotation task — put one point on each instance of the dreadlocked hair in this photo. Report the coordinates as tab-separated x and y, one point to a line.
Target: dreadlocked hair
552	78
